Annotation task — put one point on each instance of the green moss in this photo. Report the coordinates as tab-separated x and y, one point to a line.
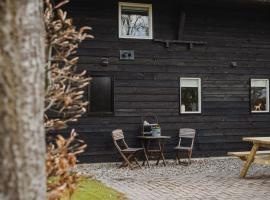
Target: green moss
89	189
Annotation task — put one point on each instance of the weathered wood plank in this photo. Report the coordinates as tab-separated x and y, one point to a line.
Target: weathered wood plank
150	83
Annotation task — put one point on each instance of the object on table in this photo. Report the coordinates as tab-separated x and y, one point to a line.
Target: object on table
156	131
150	121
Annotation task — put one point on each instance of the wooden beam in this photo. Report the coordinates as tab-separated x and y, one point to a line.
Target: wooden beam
249	160
189	43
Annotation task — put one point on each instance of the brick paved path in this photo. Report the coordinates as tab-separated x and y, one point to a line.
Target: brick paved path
204	179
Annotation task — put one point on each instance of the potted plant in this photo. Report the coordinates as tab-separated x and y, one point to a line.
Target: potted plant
156	130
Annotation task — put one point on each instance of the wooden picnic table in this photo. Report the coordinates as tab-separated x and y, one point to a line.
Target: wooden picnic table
159	152
262	157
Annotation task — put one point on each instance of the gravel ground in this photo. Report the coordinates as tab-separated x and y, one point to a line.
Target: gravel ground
210	178
214	166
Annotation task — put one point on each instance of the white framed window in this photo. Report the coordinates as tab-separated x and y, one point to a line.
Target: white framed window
190	95
135	20
259	95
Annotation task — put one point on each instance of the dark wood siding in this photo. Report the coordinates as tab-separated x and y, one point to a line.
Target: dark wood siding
150	83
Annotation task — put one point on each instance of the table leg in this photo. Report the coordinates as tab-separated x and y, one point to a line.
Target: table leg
161	156
159	153
249	160
145	150
162	152
158	158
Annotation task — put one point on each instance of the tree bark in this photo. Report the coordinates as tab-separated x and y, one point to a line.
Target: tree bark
22	137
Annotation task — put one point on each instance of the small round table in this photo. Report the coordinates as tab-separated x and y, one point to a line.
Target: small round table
146	140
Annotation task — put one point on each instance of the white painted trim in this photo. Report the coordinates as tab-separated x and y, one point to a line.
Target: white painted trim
199	96
267	95
149	6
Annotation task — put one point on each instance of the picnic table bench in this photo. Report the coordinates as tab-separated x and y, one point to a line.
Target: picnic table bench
254	156
244	154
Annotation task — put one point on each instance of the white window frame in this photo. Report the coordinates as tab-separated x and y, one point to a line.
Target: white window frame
267	95
149	7
199	96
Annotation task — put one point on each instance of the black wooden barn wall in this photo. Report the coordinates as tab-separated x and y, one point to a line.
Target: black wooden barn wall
150	83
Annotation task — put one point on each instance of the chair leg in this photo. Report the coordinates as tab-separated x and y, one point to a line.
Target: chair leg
135	159
183	162
124	164
129	160
158	159
137	162
178	157
189	156
126	161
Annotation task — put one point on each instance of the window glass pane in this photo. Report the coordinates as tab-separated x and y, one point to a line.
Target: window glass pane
259	95
189	83
189	99
101	95
134	21
259	83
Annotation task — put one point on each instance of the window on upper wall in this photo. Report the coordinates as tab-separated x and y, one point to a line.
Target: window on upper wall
101	95
259	95
190	95
135	20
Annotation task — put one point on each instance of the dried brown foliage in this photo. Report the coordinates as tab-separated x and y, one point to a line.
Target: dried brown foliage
64	98
60	159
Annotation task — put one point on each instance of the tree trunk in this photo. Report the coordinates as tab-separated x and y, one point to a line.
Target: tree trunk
22	138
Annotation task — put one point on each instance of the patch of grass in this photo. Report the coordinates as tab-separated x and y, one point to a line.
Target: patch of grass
90	189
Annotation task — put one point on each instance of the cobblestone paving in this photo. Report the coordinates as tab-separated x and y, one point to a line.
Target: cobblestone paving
203	179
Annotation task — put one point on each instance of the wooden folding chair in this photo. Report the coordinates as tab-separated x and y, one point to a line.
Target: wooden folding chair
185	134
127	153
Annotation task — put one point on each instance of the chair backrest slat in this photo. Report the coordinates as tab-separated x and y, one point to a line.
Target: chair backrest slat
117	135
118	138
187	133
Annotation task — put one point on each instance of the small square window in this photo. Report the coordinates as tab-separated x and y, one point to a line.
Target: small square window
135	20
190	95
259	95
